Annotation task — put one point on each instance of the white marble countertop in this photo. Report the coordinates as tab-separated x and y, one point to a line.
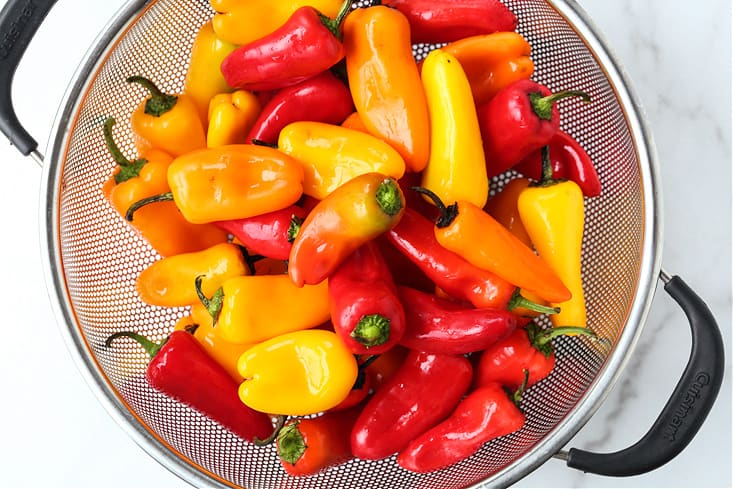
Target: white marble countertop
678	56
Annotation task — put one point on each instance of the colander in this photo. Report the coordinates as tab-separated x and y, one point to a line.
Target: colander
94	259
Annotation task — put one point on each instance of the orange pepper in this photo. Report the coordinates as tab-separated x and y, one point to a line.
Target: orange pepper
385	82
354	122
503	207
161	225
492	61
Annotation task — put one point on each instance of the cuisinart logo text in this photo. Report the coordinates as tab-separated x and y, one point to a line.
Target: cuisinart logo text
15	29
691	396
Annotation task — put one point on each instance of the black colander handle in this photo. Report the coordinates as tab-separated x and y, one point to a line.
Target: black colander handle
686	409
19	21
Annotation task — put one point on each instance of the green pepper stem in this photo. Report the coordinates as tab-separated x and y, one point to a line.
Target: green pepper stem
518	300
128	169
516	396
334	25
151	348
542	105
447	213
158	103
130	214
279	423
389	197
214	304
290	443
294	227
541	339
372	330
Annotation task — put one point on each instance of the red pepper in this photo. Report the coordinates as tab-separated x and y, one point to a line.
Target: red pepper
181	369
323	98
569	161
425	389
527	349
415	238
437	325
520	119
308	446
306	45
270	235
437	21
485	414
365	309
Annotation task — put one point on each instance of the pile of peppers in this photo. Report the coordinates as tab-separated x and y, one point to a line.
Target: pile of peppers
321	203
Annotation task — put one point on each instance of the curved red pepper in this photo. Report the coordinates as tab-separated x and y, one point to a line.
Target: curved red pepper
269	235
425	389
366	311
323	98
569	161
438	325
520	119
485	414
306	45
437	21
181	369
528	349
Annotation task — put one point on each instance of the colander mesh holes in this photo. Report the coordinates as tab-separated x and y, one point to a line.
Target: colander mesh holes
102	256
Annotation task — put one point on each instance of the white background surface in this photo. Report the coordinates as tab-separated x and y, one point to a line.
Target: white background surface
678	54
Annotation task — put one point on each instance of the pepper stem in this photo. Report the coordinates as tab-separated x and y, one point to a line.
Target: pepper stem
447	213
372	330
159	103
279	423
541	339
214	304
294	228
542	105
130	214
518	300
290	443
389	197
128	169
152	348
334	25
516	396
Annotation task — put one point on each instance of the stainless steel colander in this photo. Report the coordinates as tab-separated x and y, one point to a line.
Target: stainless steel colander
94	259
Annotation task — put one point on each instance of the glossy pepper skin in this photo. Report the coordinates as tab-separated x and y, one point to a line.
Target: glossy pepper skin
239	22
203	78
503	207
553	213
254	308
486	413
322	98
438	21
423	391
304	46
231	115
310	445
271	234
181	369
365	308
161	224
385	82
170	123
332	155
437	325
470	232
569	161
356	212
170	282
297	374
522	118
231	182
456	168
492	62
527	349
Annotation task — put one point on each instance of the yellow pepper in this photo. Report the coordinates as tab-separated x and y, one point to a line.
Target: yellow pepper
553	215
250	309
456	169
167	122
170	282
297	374
492	61
224	353
243	21
231	116
203	78
332	155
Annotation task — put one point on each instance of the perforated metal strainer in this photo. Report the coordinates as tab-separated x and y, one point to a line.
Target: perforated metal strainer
94	259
